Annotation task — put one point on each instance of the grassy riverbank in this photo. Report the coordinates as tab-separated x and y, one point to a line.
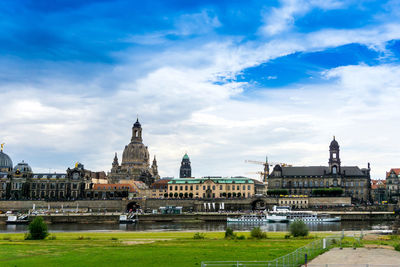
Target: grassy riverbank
140	249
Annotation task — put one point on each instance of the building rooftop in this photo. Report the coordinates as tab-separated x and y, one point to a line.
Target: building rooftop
319	171
215	179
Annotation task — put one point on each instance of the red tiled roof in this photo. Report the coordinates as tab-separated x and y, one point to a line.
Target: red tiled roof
395	170
375	184
160	183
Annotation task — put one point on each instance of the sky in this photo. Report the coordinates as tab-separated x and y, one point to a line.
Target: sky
224	81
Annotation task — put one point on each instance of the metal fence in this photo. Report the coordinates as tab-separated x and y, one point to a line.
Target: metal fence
294	259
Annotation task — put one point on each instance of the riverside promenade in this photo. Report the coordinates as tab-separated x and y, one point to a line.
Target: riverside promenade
361	256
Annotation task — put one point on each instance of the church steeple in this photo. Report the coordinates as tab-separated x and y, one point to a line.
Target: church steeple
154	167
186	169
137	132
334	158
115	162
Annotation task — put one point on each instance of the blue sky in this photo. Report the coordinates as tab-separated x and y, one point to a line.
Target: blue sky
225	81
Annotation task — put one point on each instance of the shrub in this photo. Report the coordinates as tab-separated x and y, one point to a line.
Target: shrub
114	238
298	228
256	232
199	236
52	237
7	238
397	247
229	233
241	237
287	236
37	229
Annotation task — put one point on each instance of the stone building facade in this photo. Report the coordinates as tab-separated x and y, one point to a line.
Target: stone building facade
355	182
393	185
20	183
211	187
135	164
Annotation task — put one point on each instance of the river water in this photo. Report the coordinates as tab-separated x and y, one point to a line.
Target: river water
201	227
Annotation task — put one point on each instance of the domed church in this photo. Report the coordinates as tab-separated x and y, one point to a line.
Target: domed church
135	163
6	164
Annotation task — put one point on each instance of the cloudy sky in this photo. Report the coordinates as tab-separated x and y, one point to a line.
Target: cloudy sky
226	81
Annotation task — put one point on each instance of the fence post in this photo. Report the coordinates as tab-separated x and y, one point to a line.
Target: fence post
305	259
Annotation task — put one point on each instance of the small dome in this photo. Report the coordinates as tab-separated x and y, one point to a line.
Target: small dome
277	168
22	167
334	144
5	161
137	124
186	156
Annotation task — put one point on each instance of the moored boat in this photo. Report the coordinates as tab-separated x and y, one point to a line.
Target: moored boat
14	219
252	218
305	216
127	219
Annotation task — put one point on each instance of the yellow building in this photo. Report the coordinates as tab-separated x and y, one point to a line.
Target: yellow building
211	187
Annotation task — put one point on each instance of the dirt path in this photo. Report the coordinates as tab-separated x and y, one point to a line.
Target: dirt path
358	256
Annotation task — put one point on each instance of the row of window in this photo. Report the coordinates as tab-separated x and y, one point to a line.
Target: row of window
52	194
228	187
318	184
221	195
34	186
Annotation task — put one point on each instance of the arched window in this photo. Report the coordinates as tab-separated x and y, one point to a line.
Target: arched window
334	170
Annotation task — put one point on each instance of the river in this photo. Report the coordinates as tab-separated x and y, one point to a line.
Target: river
201	227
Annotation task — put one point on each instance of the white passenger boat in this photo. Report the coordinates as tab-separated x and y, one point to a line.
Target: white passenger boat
127	219
14	219
305	216
277	218
252	218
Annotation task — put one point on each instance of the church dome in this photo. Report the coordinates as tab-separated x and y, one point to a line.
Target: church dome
23	167
185	157
135	154
5	161
334	144
277	168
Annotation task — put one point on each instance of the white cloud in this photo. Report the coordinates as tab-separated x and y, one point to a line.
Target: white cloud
182	108
279	20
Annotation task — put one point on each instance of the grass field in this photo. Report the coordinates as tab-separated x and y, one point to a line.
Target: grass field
140	249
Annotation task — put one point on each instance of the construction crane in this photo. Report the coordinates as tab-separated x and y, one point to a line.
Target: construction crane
266	165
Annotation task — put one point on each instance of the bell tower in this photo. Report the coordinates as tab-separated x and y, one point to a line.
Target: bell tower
137	132
334	158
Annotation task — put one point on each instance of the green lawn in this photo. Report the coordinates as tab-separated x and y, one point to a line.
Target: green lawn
140	249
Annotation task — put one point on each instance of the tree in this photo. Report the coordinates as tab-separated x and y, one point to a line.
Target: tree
171	195
191	195
234	194
37	229
229	194
180	195
175	195
239	194
298	228
166	195
186	195
224	194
